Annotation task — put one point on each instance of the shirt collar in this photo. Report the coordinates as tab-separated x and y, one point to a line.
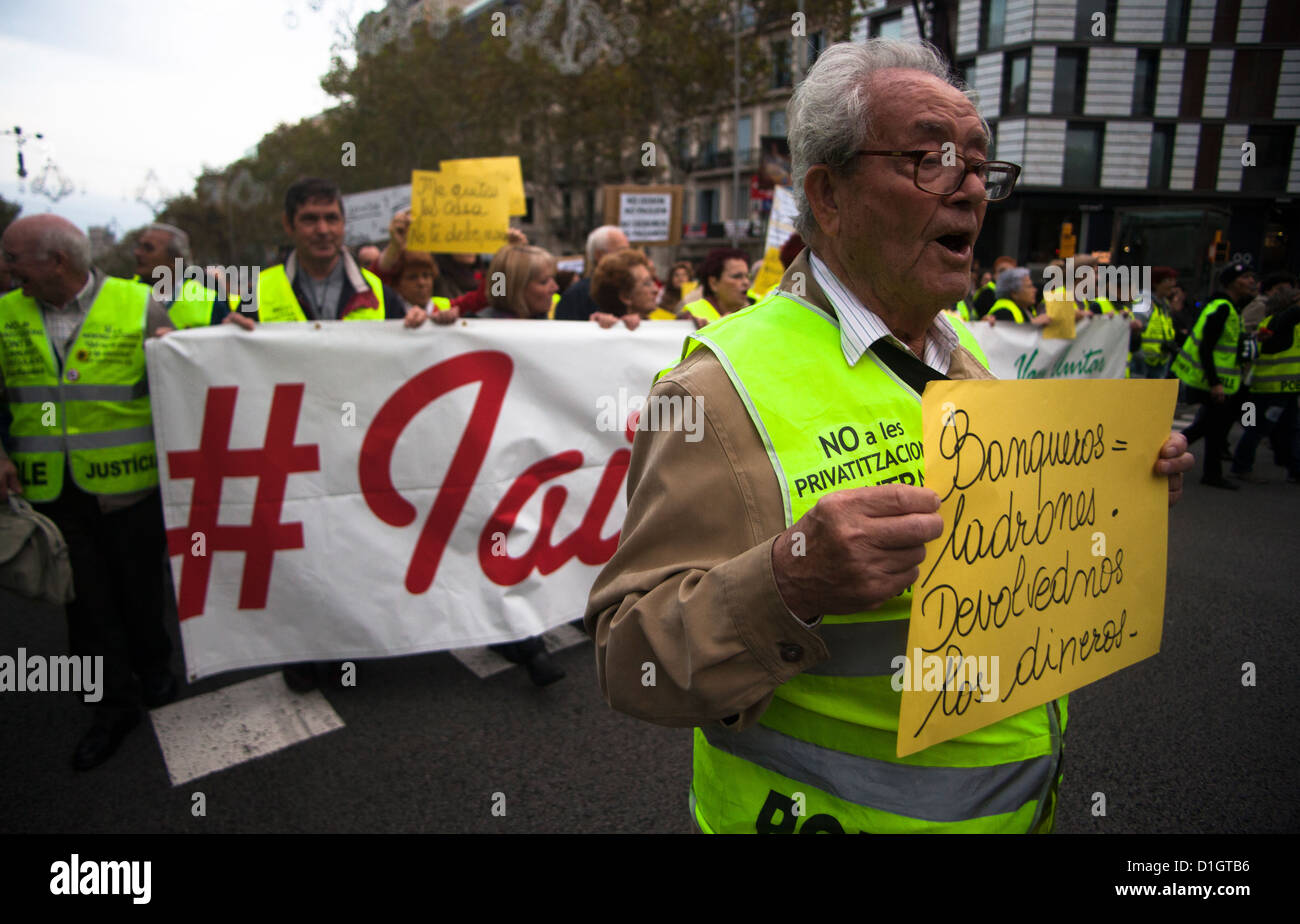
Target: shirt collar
860	327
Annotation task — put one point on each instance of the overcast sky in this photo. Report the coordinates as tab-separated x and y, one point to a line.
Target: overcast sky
120	87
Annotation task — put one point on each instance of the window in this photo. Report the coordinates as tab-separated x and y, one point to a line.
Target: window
993	23
1176	21
816	43
776	123
1144	82
781	76
1162	157
706	206
1015	84
1272	159
744	136
1094	21
1082	155
709	142
1071	82
1253	87
890	26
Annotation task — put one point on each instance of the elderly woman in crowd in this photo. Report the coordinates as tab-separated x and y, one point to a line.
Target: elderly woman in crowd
623	286
1016	296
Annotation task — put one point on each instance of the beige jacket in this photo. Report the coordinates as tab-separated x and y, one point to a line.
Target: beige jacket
690	590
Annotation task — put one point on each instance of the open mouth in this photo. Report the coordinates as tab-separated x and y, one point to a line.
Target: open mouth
957	244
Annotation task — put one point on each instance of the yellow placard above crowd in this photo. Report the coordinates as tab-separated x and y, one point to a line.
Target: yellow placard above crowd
1050	572
465	207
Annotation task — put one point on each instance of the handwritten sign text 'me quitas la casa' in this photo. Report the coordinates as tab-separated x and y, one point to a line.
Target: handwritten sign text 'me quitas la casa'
1050	572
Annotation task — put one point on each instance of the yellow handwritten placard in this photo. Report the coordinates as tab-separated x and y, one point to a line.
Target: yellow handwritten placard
771	272
505	170
451	213
1050	572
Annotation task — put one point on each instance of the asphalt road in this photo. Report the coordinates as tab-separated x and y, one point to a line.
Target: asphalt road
1175	743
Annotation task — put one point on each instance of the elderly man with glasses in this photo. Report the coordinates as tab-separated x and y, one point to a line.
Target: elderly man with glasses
769	596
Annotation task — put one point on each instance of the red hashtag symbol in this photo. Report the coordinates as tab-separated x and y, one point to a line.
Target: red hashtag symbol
212	463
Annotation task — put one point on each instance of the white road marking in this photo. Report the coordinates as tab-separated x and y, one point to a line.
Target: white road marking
213	731
484	662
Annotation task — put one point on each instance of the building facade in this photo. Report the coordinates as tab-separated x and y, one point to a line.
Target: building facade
1116	105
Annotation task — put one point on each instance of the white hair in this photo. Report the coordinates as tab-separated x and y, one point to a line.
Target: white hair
599	240
829	116
178	242
1010	280
68	240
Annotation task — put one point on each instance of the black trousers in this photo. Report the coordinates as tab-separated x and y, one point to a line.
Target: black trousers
1213	421
118	577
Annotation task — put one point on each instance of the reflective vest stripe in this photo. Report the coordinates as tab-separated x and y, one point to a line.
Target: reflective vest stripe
69	392
106	440
1283	368
862	649
941	794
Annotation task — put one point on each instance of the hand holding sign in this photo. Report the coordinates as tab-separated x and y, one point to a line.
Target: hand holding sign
1051	565
855	549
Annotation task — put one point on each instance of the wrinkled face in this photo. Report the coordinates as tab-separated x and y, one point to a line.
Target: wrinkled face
538	292
641	299
731	286
1027	294
914	247
38	275
416	285
317	229
150	251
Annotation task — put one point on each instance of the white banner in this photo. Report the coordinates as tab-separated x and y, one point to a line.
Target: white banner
366	214
780	221
1099	350
346	490
337	489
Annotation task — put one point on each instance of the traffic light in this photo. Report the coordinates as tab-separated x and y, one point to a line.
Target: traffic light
1220	249
1067	240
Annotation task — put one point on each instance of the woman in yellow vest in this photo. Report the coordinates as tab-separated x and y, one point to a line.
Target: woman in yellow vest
416	273
623	286
1016	298
724	282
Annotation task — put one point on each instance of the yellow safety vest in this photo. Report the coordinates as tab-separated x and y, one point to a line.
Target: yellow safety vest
1276	373
1187	364
276	301
702	308
831	732
1009	305
192	306
93	415
1158	335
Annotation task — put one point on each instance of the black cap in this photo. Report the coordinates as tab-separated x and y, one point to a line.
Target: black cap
1229	273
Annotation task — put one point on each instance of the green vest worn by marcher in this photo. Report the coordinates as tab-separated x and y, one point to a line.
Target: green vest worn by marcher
1158	336
963	311
276	301
1007	303
1187	364
702	308
831	732
95	412
1278	372
192	306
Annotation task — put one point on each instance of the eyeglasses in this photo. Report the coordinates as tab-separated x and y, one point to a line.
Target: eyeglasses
941	174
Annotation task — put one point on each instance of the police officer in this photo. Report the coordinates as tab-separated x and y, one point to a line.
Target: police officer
72	363
1211	362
